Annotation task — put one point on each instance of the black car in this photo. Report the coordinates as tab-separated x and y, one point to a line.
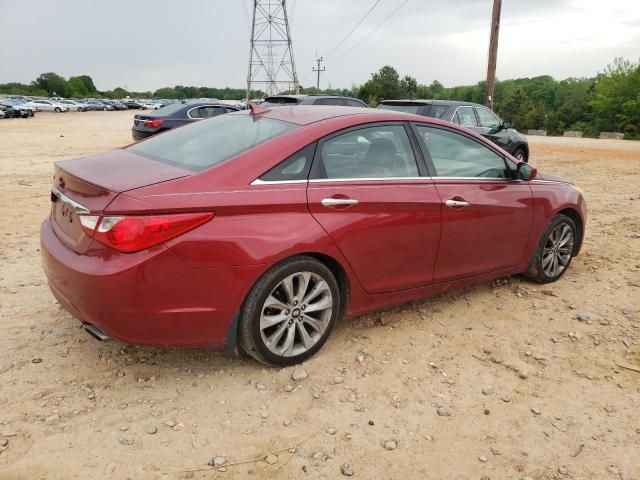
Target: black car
280	100
133	105
175	115
470	115
16	104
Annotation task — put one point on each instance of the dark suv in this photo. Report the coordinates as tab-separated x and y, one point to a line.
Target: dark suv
280	100
471	115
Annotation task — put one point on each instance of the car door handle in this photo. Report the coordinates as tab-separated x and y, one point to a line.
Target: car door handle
336	202
456	203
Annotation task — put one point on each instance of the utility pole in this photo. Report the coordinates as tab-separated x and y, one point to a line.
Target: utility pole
271	64
318	69
493	53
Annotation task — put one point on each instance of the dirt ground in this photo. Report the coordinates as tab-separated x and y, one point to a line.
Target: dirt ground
531	391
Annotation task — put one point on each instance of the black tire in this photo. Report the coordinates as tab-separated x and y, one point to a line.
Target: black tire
536	272
57	109
521	155
249	333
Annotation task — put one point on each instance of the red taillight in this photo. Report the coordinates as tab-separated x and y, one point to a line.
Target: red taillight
136	232
154	123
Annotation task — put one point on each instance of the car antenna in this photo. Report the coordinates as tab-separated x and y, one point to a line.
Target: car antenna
257	109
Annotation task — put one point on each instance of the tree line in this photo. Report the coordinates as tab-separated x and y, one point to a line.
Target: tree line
610	101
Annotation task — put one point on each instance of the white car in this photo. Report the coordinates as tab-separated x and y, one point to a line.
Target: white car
48	106
150	105
72	105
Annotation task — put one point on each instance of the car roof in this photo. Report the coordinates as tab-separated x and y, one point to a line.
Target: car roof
452	103
307	114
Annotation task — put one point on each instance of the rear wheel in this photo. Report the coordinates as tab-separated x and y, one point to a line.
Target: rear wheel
555	251
290	312
58	109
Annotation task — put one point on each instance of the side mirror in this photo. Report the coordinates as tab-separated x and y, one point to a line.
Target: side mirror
524	171
505	125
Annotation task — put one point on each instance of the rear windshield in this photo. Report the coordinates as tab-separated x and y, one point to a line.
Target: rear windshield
400	107
169	109
206	143
279	101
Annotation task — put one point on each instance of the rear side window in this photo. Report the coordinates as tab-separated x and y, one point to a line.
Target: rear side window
465	117
296	167
382	151
204	144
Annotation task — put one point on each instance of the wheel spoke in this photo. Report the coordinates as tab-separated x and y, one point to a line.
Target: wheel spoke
320	287
287	346
267	321
273	340
322	304
303	285
287	286
273	302
566	236
317	325
307	341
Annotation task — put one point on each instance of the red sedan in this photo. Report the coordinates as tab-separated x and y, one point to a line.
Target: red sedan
259	229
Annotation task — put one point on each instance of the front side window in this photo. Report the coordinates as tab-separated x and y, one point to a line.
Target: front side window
202	145
465	117
487	119
374	152
454	155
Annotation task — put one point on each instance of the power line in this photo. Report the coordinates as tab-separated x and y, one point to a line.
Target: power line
339	25
340	43
370	33
246	13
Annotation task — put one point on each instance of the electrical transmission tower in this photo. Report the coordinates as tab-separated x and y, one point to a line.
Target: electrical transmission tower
271	64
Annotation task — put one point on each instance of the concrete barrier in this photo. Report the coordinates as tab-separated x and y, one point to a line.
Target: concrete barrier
612	135
541	133
573	134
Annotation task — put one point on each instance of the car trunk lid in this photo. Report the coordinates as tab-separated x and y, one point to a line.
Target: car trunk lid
88	185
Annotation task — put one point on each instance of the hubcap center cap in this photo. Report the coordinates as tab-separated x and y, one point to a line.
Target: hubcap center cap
295	313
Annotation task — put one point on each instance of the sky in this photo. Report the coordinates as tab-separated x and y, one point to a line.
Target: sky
147	44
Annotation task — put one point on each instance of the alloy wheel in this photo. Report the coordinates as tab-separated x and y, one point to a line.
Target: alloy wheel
296	314
557	250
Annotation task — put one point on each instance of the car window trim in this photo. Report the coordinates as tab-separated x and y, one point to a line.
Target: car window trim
432	168
313	172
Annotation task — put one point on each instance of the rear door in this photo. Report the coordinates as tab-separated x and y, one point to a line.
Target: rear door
369	190
486	214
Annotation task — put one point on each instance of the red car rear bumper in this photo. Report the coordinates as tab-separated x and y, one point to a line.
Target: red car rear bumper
148	298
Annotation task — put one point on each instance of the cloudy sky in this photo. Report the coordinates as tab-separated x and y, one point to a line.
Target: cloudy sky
147	44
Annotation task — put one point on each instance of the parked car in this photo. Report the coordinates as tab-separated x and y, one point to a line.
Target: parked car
48	106
73	105
476	117
259	229
25	110
175	115
10	112
2	115
133	104
115	104
289	100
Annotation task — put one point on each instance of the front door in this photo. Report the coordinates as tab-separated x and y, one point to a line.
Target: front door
486	214
490	127
367	192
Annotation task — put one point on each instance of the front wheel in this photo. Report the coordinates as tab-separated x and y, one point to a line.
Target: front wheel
555	251
58	109
520	155
290	312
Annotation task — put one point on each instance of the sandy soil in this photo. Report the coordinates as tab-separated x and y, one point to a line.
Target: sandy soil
558	407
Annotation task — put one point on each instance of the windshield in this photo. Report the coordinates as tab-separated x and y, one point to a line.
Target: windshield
400	107
208	142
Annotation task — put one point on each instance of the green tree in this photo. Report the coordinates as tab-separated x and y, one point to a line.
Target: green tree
52	83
